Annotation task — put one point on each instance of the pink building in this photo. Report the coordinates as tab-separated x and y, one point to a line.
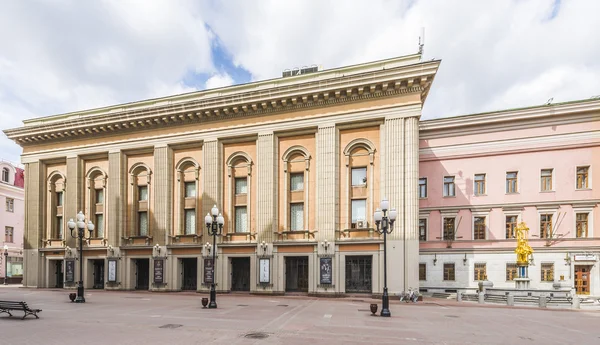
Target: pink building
482	174
12	217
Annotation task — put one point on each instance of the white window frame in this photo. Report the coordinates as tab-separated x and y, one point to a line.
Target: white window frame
426	187
485	180
444	186
518	189
589	166
509	214
553	181
540	211
487	224
443	216
590	212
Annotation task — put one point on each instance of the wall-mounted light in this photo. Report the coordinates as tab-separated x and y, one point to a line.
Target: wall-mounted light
434	259
567	259
264	246
157	249
325	244
208	247
465	260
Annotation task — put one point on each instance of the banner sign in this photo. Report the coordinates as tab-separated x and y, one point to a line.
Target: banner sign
208	271
69	271
326	270
159	269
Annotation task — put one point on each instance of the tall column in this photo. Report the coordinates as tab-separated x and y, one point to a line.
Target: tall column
74	195
411	202
163	198
212	178
327	205
35	185
115	200
266	210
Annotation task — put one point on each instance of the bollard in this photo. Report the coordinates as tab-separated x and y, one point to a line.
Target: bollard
459	296
481	297
510	300
576	301
543	301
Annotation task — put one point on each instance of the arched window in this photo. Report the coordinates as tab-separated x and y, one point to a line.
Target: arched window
5	175
360	154
140	197
296	166
55	201
96	180
188	172
239	171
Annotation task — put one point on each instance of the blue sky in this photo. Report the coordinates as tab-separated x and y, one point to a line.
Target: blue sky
59	56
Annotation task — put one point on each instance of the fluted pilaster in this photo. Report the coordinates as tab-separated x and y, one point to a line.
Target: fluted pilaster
212	179
116	198
162	183
393	165
327	208
411	200
74	194
266	210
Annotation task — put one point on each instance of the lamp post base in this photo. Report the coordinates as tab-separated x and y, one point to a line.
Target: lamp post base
80	294
385	301
213	298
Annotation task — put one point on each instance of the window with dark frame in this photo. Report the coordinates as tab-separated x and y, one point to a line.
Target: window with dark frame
59	228
99	196
422	271
449	186
9	234
479	228
546	180
511	225
479	184
5	175
10	205
479	272
449	271
547	272
422	229
142	223
511	271
449	230
143	193
511	182
99	225
59	198
189	221
423	187
545	225
581	225
582	177
190	189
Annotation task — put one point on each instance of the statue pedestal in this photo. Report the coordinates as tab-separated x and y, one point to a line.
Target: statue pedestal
522	283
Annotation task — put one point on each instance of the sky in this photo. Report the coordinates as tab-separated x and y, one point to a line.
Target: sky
59	56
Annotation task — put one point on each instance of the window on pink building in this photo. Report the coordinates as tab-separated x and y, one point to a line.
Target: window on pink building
422	229
449	230
511	225
9	234
582	177
479	228
5	175
423	187
449	186
10	205
582	225
546	180
480	184
545	225
511	182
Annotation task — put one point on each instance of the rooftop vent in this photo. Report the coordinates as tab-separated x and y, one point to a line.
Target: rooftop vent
298	71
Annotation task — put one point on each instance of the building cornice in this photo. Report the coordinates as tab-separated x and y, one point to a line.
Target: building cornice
512	119
321	89
512	206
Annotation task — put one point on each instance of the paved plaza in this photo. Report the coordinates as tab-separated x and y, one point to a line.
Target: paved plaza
178	318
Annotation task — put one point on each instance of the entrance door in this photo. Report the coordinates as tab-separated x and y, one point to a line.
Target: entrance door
142	274
358	274
582	280
98	274
59	274
240	274
190	274
296	274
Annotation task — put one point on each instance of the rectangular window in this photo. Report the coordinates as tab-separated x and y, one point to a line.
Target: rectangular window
423	187
511	225
480	184
5	174
359	176
581	225
449	229
582	177
479	228
190	189
143	223
10	205
449	271
511	271
422	271
547	272
511	182
296	182
99	226
480	272
59	228
142	193
449	186
422	229
59	199
9	234
241	219
545	225
297	216
359	211
190	221
100	196
241	185
546	180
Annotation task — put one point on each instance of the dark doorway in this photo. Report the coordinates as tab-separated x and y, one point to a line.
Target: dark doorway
358	274
59	274
189	273
98	274
240	274
142	274
296	274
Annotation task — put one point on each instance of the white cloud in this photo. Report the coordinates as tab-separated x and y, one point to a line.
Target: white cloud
219	80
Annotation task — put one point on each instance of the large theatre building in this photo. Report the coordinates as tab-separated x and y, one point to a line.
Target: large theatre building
297	166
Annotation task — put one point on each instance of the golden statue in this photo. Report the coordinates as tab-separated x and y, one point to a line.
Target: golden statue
523	249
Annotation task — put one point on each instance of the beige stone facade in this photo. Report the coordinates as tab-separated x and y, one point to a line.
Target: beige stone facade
296	165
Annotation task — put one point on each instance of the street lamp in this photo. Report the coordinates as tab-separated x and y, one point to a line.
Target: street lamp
387	226
5	264
214	224
80	224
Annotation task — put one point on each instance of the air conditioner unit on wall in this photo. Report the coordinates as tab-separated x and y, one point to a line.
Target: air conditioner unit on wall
361	224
